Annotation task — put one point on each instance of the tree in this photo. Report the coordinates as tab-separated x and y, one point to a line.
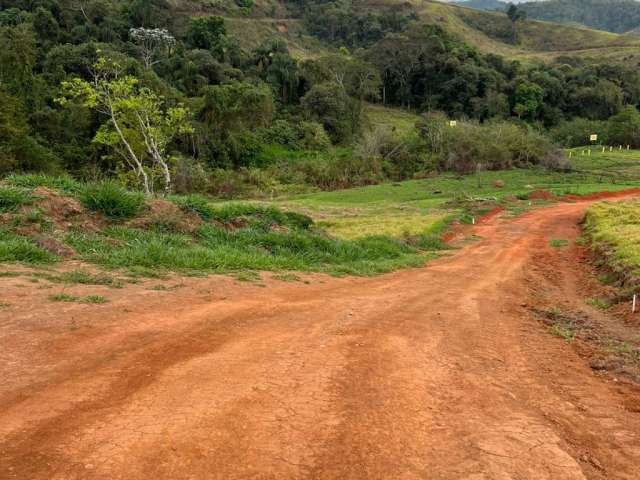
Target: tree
139	127
152	42
624	128
529	97
329	104
227	115
516	15
207	33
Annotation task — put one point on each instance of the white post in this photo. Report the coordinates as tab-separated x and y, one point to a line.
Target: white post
633	306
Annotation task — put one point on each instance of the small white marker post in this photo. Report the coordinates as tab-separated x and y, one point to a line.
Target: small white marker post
473	220
633	305
603	149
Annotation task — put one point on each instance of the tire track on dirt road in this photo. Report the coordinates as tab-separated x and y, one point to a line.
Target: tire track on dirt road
430	373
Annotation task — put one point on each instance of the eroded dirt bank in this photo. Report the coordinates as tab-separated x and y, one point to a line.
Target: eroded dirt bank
433	373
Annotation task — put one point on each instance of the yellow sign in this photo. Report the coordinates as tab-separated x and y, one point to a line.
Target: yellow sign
453	123
594	138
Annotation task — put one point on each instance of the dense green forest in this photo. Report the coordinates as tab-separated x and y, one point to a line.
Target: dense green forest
164	102
612	15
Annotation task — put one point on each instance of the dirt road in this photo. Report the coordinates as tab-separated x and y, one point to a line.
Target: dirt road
432	373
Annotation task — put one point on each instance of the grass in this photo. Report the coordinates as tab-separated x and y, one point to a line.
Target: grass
196	204
562	331
489	32
16	248
112	200
63	297
401	121
82	277
254	247
63	184
613	230
362	231
558	242
415	206
11	198
597	303
95	299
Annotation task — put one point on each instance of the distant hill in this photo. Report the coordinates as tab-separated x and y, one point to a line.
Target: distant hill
490	5
617	16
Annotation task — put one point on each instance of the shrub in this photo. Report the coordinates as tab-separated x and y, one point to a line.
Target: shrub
575	133
493	146
112	200
11	198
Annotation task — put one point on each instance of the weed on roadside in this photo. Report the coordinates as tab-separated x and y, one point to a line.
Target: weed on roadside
63	297
558	243
286	277
98	299
563	331
598	303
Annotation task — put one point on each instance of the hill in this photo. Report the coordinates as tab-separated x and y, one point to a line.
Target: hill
618	16
491	32
488	31
482	4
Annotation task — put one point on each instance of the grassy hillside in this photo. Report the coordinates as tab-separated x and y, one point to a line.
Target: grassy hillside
487	31
490	32
613	231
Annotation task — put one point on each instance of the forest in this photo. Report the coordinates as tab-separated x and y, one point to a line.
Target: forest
164	102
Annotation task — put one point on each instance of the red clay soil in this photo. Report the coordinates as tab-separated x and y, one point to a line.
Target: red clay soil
431	373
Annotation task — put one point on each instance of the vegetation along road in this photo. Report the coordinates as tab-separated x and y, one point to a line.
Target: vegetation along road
437	372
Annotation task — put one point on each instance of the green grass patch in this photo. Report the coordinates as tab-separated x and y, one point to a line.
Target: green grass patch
197	204
64	184
12	198
614	230
598	303
112	200
563	331
82	277
95	299
15	248
558	242
63	297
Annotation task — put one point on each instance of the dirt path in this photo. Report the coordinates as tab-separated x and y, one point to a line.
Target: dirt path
432	373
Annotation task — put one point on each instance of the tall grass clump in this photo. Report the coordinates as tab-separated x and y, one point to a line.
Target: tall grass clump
11	198
196	204
112	200
15	248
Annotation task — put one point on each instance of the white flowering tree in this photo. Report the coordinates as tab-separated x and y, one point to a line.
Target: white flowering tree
152	44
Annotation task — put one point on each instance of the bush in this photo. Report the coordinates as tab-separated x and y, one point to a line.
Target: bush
575	133
282	133
11	198
492	146
112	200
